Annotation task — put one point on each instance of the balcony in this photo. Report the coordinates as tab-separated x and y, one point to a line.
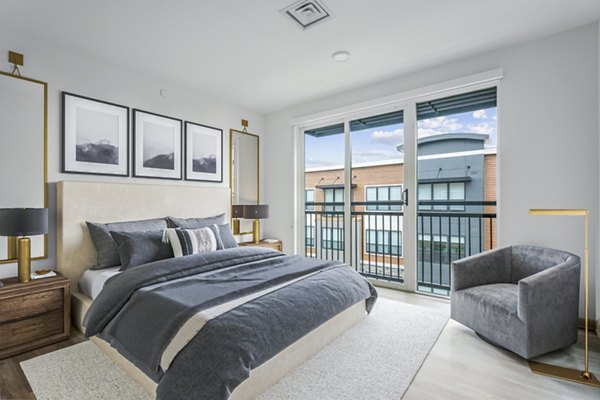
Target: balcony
446	231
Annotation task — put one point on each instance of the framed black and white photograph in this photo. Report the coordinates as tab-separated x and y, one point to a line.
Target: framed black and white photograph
156	146
203	153
95	136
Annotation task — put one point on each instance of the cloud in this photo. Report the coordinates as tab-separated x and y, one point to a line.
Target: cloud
479	114
440	125
393	138
482	127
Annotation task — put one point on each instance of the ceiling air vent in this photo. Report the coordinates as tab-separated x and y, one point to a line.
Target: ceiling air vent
307	12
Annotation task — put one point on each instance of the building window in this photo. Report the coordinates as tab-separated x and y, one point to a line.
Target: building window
335	195
309	197
442	192
383	194
332	238
442	248
309	239
384	242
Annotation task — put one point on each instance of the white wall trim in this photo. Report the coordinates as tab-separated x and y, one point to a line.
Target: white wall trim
484	78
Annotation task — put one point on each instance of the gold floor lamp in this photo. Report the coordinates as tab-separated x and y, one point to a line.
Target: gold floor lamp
554	371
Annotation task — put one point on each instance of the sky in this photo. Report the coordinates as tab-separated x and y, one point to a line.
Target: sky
95	127
379	144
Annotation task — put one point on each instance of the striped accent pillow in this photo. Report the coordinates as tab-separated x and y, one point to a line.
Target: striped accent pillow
192	241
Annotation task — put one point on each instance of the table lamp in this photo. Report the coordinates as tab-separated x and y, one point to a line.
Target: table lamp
555	371
237	212
256	213
21	223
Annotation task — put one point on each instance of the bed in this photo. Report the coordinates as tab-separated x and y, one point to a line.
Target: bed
108	202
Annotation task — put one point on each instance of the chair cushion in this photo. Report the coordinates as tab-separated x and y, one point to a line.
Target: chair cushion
491	310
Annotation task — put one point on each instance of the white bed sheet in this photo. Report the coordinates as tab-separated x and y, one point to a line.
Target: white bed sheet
92	281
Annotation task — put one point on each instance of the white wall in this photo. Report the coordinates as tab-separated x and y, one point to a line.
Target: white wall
83	74
548	138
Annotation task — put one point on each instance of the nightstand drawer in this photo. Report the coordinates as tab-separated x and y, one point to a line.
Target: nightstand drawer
31	329
33	314
18	307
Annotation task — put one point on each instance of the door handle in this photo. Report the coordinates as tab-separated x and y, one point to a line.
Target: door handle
405	197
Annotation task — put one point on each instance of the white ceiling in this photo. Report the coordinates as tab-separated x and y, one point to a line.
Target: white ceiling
248	53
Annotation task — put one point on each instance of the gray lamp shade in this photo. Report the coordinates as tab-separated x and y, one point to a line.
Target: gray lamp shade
23	221
256	212
237	211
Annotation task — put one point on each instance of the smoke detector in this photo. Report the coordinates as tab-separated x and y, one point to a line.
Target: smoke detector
307	12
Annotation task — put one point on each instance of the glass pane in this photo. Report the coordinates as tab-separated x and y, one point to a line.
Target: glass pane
396	195
457	192
440	192
324	175
456	161
378	173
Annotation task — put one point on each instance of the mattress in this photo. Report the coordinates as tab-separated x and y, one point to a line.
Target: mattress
92	281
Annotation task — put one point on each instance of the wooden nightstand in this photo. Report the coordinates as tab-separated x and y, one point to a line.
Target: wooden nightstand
33	314
273	245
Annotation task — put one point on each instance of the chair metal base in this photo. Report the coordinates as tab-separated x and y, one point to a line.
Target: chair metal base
568	374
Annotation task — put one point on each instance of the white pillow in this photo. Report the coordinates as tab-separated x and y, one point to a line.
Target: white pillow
190	241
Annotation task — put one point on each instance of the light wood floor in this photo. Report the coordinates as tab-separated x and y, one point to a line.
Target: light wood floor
462	366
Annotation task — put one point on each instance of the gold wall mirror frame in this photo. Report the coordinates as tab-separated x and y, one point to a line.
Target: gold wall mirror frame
22	175
244	171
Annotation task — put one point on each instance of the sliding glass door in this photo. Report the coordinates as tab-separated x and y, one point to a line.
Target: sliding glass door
400	191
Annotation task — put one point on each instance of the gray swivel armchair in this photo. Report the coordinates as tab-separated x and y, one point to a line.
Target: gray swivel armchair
522	298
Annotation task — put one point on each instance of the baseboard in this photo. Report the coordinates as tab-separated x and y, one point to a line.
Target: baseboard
592	325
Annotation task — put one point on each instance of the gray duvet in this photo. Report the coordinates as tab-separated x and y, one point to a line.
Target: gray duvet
140	311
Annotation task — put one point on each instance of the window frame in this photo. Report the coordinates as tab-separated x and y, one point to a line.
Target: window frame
447	207
389	234
377	207
309	208
324	238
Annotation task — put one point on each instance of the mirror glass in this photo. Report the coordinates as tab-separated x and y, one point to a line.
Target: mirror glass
22	152
244	171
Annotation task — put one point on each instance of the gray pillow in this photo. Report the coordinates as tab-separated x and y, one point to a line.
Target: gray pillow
137	248
107	255
227	237
195	223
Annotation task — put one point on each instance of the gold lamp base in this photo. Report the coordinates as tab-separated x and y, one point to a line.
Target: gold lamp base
567	374
256	231
24	259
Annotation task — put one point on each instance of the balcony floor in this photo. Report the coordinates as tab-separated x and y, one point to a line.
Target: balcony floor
462	366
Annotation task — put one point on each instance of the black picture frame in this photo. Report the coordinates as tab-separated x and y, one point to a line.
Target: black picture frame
69	147
141	171
196	176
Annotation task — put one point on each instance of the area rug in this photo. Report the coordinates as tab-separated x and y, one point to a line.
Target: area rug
376	359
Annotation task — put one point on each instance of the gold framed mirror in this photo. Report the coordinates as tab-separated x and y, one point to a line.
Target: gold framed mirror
23	154
244	173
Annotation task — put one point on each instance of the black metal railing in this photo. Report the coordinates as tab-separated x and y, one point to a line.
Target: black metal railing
446	231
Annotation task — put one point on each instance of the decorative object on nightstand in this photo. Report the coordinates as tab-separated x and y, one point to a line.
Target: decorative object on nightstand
237	212
256	213
23	222
270	243
570	374
34	314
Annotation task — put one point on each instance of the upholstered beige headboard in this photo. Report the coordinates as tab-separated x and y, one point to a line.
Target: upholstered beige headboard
78	202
